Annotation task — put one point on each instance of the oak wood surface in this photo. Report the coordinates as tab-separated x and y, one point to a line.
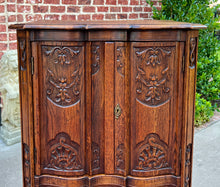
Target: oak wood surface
107	107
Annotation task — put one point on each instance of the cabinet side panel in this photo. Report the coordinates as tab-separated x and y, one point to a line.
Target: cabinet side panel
25	82
155	69
62	108
189	106
97	113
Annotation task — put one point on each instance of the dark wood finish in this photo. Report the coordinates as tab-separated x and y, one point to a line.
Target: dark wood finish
107	103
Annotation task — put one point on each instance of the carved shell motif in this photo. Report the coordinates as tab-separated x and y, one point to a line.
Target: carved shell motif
152	153
63	154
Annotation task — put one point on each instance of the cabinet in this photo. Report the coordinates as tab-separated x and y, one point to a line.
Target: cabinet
107	103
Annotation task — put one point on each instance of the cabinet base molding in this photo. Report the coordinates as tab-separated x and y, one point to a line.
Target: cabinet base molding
106	180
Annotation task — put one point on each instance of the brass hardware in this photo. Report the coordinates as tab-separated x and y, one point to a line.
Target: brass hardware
117	111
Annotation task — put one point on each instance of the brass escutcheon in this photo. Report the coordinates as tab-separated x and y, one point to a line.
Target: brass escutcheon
117	111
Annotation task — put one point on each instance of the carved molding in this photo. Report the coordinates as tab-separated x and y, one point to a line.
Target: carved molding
95	59
192	57
26	157
120	157
22	45
62	54
152	153
120	62
63	89
63	154
152	75
188	165
95	156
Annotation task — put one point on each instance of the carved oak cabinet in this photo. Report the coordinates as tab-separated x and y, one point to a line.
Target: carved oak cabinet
107	103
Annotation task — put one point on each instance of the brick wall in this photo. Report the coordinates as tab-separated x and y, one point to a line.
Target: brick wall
18	11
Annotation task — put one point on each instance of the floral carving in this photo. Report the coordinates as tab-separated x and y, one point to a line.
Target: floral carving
120	157
63	154
153	75
95	58
26	157
22	44
95	156
152	153
152	56
192	52
63	54
120	53
63	81
188	165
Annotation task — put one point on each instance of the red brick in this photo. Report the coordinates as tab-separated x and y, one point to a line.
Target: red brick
134	2
98	17
2	19
84	17
13	46
2	28
147	9
122	16
9	1
123	2
2	1
3	37
20	1
33	1
58	9
12	18
133	16
137	9
35	17
144	15
40	9
73	9
2	8
1	54
51	1
89	9
11	8
12	36
51	17
126	9
98	2
110	2
69	2
68	17
102	9
23	9
84	2
110	16
143	2
3	46
20	18
115	9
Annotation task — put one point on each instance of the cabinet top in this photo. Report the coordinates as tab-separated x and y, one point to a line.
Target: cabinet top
125	24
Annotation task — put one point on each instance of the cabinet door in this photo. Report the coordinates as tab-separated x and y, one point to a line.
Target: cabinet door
156	114
59	108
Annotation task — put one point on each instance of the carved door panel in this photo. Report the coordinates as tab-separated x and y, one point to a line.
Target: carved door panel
59	108
156	101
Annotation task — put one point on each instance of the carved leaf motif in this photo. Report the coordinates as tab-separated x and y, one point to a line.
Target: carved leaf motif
120	157
63	54
63	154
95	59
152	153
192	52
188	165
152	88
95	156
26	157
120	53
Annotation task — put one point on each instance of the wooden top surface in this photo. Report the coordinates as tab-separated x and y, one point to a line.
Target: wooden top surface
125	24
